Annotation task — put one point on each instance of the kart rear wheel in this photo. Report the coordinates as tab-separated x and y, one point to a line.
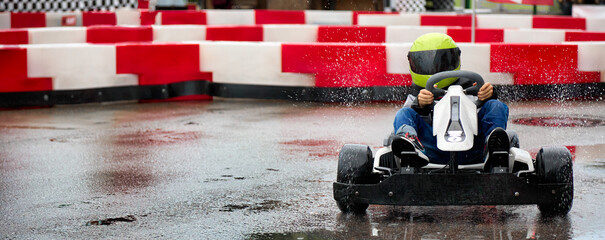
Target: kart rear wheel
355	164
554	165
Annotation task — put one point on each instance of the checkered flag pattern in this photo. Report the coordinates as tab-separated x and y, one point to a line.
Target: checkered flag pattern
64	5
410	5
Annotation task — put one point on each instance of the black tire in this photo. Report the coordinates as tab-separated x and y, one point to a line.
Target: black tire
554	165
355	163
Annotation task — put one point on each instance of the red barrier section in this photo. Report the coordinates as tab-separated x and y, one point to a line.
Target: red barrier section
279	17
14	37
143	4
481	35
362	80
540	63
160	63
446	20
584	36
99	18
13	73
559	22
234	33
357	13
183	17
341	65
28	20
147	17
354	34
117	34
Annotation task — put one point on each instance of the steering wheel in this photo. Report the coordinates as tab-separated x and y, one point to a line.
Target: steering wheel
473	90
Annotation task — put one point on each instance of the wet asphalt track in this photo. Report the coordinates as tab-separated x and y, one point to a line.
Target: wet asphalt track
237	169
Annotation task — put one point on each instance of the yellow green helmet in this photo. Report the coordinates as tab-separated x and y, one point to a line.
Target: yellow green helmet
432	53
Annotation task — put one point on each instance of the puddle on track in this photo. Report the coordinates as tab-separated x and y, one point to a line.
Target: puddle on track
475	222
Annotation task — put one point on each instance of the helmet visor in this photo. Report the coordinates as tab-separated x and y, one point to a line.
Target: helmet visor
430	62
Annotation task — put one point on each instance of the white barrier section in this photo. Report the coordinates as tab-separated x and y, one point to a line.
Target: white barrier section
57	35
590	57
504	21
595	24
158	19
534	36
5	20
477	58
388	19
290	33
588	11
322	17
248	63
403	34
77	66
55	19
230	17
127	16
178	33
397	61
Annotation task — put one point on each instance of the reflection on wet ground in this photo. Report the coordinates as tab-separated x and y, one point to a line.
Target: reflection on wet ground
474	222
252	170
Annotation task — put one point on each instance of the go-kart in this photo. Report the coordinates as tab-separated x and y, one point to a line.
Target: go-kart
384	179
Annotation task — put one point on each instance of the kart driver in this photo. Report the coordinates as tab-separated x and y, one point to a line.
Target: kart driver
432	53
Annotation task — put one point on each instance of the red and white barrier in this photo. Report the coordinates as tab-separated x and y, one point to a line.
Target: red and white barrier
504	21
533	36
128	17
388	19
178	33
279	17
27	20
594	15
119	34
286	49
595	24
320	17
249	63
253	33
44	67
57	35
289	33
407	34
15	75
76	66
99	18
230	17
182	17
160	63
312	17
580	36
590	58
353	34
5	20
14	37
58	19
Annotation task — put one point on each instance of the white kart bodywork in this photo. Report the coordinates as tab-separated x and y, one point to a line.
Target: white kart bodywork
468	121
516	155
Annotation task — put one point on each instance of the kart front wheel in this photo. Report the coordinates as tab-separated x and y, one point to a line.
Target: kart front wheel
554	165
355	164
